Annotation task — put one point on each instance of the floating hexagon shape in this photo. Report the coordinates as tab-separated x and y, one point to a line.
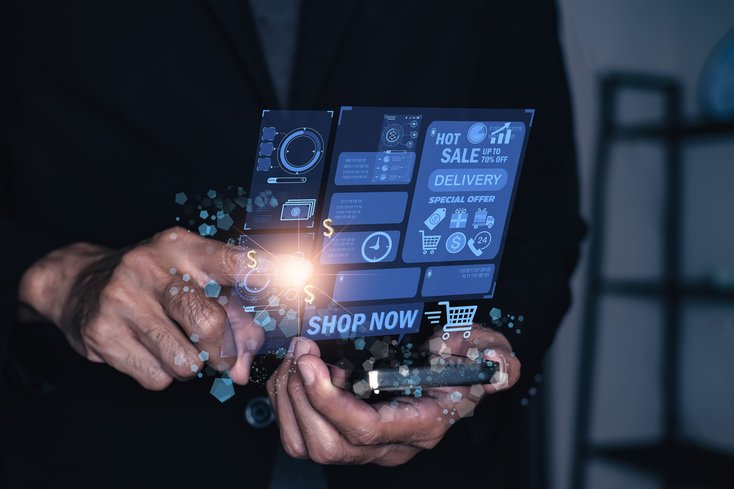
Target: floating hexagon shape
212	289
495	313
222	389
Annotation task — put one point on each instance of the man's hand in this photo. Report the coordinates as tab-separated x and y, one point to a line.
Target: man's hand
144	311
331	426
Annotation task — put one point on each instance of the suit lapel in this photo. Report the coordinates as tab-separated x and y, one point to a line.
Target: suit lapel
236	20
323	25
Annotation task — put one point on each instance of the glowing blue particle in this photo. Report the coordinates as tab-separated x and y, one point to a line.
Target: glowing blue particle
181	198
194	338
203	214
359	343
207	230
200	375
186	277
172	270
212	289
222	389
495	313
194	367
211	194
521	318
224	222
204	355
223	300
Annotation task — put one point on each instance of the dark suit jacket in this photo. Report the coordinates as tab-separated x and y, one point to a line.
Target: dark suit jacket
111	107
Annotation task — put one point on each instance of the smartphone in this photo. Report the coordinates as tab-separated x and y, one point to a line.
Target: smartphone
405	378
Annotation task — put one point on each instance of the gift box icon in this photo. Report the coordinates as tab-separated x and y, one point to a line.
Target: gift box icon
458	219
480	218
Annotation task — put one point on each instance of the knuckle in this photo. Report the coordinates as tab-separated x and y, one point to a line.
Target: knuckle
324	454
208	318
172	233
97	331
115	291
156	380
431	442
138	258
295	450
184	369
363	437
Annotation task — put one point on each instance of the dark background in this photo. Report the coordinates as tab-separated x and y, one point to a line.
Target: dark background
664	38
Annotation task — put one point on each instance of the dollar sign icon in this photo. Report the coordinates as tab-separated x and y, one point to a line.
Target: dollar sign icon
329	230
456	242
253	261
308	290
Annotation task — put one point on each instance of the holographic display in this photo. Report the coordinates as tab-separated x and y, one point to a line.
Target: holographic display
397	225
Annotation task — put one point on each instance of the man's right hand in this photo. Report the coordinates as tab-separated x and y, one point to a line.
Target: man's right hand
144	311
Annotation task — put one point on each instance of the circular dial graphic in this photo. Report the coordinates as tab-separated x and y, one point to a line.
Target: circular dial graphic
255	283
300	150
393	134
376	247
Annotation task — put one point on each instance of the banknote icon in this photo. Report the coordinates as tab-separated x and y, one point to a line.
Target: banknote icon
297	209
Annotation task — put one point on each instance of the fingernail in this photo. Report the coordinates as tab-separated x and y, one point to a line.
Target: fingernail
292	346
302	348
306	372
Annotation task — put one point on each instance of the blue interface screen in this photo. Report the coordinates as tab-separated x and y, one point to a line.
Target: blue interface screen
401	221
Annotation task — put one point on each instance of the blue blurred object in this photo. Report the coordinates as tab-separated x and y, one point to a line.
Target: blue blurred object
716	86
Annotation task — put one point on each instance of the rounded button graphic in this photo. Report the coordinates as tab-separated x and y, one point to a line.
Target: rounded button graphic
376	247
300	150
393	134
476	133
258	413
456	242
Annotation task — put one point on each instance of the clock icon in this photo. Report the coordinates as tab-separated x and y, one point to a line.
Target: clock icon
376	247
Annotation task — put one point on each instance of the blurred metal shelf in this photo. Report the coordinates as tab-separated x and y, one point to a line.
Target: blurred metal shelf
683	131
652	288
713	468
675	461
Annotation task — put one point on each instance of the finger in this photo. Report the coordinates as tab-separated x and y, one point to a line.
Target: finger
211	260
324	443
248	337
203	321
290	433
134	359
165	341
508	372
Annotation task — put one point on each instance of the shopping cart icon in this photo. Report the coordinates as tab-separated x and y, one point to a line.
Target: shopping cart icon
458	318
429	243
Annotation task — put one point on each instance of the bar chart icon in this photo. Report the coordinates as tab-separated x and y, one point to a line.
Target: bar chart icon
501	135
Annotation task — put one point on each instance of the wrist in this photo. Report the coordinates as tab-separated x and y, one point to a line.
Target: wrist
46	285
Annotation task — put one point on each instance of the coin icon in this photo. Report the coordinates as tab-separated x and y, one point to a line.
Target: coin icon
456	242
